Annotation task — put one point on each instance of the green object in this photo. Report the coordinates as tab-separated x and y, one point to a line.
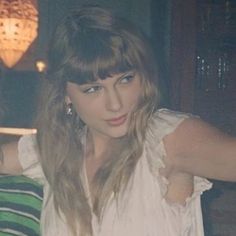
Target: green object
20	206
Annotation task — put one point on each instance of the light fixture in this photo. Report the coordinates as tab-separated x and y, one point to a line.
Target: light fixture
18	29
41	66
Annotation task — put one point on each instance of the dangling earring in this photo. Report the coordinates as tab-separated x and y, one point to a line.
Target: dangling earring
69	111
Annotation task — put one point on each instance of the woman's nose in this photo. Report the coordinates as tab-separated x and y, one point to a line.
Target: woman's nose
113	100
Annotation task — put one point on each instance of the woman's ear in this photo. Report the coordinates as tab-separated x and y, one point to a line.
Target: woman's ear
68	104
67	99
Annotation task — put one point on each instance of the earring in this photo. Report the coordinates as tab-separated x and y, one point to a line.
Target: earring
69	111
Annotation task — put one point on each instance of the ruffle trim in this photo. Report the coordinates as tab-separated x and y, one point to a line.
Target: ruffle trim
155	153
188	211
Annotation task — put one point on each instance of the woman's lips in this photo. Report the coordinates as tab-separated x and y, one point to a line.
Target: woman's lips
117	121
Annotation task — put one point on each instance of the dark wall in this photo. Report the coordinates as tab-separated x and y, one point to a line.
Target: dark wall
53	11
160	21
18	94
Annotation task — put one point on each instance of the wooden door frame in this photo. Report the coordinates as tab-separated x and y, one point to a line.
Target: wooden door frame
182	54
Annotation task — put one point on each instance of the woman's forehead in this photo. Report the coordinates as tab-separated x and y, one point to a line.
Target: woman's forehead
117	74
97	78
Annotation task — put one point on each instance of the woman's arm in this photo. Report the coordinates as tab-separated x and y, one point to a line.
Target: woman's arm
199	149
9	162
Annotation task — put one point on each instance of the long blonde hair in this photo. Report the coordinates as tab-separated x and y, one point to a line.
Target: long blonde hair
90	43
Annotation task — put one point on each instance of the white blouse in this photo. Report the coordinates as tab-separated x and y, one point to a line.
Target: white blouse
142	210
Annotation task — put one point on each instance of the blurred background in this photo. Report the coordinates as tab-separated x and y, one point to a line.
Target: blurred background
195	44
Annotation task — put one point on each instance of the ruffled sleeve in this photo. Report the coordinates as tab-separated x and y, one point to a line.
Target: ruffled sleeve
28	157
187	217
163	122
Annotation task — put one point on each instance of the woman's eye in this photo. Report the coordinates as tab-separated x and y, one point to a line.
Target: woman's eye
126	79
92	89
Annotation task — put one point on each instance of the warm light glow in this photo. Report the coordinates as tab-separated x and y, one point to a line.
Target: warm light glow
18	29
41	66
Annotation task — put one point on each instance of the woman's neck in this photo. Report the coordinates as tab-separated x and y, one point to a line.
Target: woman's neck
95	156
96	145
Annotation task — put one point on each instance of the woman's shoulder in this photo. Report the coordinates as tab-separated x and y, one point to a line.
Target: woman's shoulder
165	121
28	155
170	116
27	150
27	143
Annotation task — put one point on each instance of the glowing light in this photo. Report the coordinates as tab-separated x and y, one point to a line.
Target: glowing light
41	66
18	29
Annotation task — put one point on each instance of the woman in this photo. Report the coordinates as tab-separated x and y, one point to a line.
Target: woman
110	161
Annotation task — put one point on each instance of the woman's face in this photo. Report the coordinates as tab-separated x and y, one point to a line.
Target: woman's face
105	106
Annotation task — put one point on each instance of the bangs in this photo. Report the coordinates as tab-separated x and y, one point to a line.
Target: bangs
97	56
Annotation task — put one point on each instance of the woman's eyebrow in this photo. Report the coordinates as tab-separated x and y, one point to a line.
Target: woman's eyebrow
90	83
125	73
119	76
